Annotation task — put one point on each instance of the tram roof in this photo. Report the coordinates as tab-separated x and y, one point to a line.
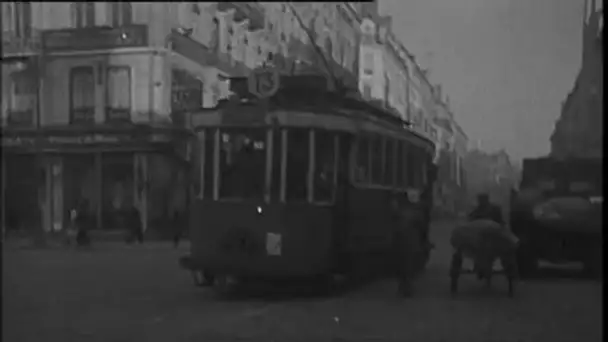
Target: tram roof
303	92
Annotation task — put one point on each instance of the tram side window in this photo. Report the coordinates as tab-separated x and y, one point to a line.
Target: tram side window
376	160
424	168
325	166
404	164
416	162
362	164
411	165
400	171
242	163
277	155
207	159
196	156
390	162
297	164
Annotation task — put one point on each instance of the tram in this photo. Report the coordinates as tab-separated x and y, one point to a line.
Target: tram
297	183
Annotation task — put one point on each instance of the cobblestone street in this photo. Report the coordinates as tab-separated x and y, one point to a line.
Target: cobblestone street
138	293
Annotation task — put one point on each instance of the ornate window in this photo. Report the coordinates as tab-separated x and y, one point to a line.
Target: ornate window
82	94
118	92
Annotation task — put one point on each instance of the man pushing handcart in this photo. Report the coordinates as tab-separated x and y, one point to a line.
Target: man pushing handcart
484	239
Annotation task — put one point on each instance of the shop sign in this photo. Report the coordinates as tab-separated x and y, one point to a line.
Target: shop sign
95	38
87	139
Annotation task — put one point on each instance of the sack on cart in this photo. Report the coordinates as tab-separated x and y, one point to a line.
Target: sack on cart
483	239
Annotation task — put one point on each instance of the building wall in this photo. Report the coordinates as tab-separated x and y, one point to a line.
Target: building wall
579	129
143	102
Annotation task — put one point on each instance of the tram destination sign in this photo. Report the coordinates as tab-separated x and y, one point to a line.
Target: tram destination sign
264	82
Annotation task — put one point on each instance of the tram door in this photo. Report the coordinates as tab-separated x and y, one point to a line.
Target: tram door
24	178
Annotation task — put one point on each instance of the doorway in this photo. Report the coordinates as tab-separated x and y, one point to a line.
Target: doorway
117	190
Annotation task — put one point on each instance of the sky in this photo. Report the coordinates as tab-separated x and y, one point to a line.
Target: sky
505	64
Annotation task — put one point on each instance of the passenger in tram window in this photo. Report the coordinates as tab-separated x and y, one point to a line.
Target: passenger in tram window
297	164
362	164
324	166
242	164
376	161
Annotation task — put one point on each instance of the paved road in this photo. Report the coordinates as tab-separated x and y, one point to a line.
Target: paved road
118	293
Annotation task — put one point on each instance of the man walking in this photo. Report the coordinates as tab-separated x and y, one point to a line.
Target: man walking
132	220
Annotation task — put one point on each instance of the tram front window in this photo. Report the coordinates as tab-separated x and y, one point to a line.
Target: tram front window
242	163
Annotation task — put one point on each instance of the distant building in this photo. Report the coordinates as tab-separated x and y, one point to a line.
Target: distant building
452	148
389	74
579	130
491	173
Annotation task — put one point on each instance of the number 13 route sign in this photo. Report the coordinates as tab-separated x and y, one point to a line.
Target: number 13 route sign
264	82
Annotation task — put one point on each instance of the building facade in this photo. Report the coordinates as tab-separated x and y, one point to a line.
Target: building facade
389	74
452	147
100	94
491	173
578	131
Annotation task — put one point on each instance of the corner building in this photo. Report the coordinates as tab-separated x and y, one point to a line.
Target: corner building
100	95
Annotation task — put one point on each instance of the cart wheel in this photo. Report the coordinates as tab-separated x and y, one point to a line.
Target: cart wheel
202	278
456	267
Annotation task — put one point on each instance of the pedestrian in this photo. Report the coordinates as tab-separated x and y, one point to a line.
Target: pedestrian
408	240
77	231
486	210
132	220
400	248
82	233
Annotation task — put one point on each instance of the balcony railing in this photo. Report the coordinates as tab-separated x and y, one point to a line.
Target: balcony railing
21	118
15	45
81	116
118	115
